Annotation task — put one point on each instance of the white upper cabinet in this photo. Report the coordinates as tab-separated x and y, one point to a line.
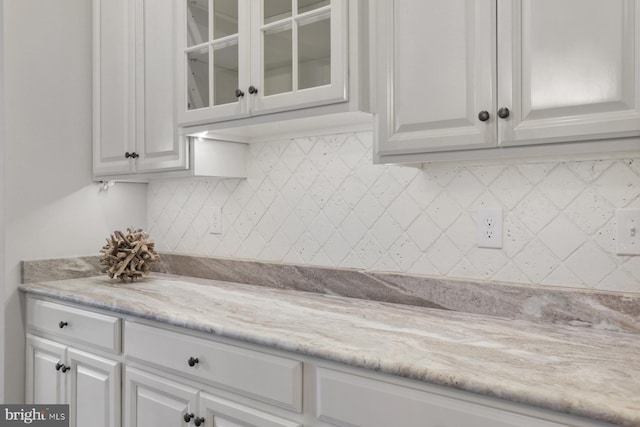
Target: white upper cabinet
298	53
569	70
244	58
135	136
457	79
438	62
133	97
160	147
213	58
113	87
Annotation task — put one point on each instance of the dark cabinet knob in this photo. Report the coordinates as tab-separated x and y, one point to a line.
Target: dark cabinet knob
253	90
61	367
62	324
196	420
483	116
192	361
239	93
503	113
133	155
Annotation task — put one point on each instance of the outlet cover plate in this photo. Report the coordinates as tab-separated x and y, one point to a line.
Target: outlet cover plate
216	220
628	231
489	228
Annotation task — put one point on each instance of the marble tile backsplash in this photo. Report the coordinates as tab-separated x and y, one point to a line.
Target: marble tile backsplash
320	201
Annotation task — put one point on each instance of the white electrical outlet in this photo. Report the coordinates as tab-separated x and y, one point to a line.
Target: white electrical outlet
628	231
489	228
216	221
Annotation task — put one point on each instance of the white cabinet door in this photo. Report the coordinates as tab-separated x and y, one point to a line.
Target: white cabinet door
45	379
562	71
152	401
94	390
90	384
436	73
568	70
134	69
213	60
240	58
113	87
158	144
298	54
224	413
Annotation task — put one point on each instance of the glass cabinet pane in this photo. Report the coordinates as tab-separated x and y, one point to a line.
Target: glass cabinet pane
197	22
225	74
275	10
198	79
278	62
225	18
307	5
314	53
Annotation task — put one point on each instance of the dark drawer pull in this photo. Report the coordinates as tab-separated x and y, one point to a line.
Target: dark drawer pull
193	361
62	324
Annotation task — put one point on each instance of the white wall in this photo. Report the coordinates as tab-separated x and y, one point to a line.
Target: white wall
53	209
320	201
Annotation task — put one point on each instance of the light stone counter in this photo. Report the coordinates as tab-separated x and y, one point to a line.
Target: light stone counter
585	372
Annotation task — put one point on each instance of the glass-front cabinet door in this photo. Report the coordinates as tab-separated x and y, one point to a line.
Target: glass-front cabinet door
248	57
214	65
299	53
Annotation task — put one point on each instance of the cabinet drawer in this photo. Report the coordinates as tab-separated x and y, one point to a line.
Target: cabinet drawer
275	380
350	400
80	326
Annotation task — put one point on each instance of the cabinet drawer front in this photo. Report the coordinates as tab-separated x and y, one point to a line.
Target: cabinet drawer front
80	326
349	400
261	376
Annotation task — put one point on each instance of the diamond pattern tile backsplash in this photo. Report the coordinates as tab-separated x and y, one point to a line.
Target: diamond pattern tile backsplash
320	201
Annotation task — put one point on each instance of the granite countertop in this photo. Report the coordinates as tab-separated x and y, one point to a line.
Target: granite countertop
585	372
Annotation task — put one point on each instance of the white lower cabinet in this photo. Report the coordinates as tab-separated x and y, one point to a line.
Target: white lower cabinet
155	401
347	400
73	357
45	383
94	390
90	384
208	369
225	413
